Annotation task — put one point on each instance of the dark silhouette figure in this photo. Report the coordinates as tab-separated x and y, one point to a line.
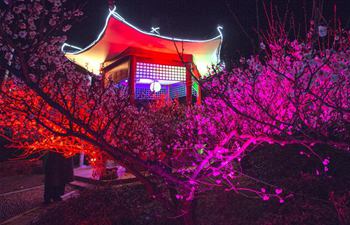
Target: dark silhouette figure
58	172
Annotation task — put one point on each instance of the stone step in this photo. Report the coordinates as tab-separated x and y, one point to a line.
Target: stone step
85	179
123	180
72	194
86	175
80	185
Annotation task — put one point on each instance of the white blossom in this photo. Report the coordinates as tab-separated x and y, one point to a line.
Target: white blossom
22	34
262	46
322	31
8	56
52	21
66	28
32	34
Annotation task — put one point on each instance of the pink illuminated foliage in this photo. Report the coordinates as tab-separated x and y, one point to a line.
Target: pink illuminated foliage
297	93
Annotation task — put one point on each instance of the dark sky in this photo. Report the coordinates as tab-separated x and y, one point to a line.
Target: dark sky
196	19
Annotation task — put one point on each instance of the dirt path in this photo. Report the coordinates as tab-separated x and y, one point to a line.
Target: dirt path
16	202
20	182
24	218
21	196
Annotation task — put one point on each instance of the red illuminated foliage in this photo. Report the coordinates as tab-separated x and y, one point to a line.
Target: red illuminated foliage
50	104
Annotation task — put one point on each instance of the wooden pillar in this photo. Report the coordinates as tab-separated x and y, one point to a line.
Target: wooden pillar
132	79
104	80
199	95
199	92
188	84
81	159
104	76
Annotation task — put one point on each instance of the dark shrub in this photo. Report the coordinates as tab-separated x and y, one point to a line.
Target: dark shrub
123	206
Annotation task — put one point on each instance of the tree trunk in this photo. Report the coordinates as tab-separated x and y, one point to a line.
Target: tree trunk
188	208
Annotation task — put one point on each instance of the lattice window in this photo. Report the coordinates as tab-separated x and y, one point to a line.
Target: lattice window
143	91
160	72
178	90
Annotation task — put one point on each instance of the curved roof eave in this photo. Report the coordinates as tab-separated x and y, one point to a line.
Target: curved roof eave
115	15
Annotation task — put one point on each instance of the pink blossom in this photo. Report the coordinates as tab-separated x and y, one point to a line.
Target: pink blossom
17	10
265	197
66	28
325	162
32	34
38	7
216	173
278	191
22	26
52	21
179	196
121	171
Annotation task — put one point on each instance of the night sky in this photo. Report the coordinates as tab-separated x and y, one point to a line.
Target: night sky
197	19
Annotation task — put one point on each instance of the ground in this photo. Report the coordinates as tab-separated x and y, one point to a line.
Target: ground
20	194
20	182
131	206
314	199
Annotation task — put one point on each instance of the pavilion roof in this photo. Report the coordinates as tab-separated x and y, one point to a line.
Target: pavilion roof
118	35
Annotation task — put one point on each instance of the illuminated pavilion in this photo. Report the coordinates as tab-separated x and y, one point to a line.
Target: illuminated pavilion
151	65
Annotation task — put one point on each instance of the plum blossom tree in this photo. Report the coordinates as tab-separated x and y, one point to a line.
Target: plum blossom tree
297	93
50	104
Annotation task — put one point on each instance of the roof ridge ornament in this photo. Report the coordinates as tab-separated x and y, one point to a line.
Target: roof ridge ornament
111	4
155	30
